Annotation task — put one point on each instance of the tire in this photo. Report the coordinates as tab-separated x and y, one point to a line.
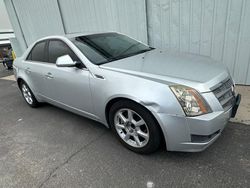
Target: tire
129	122
28	95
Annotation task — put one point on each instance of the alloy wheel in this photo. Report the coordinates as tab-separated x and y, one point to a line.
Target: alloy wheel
27	94
131	127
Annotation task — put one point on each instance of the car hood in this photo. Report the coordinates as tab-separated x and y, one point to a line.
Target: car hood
174	66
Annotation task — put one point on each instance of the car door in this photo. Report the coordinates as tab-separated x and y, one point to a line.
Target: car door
35	67
67	86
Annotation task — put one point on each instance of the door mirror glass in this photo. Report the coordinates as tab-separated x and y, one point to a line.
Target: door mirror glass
65	61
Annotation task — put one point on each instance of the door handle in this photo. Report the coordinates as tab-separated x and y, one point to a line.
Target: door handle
49	75
27	70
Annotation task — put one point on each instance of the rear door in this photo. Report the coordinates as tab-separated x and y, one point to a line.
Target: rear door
35	67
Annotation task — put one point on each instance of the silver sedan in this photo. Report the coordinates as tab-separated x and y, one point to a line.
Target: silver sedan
145	95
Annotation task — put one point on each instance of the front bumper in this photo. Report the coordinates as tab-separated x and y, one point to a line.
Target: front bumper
194	134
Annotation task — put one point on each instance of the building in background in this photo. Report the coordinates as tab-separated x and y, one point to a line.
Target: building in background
6	32
5	24
33	19
216	28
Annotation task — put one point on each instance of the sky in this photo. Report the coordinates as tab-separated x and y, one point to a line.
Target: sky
4	19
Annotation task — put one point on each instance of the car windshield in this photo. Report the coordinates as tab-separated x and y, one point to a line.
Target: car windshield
107	47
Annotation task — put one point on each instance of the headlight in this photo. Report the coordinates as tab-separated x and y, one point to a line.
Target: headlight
191	101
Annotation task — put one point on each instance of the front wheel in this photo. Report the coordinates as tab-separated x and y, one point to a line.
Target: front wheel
28	95
135	127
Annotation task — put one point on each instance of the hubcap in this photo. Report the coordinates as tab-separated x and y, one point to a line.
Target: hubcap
131	127
27	94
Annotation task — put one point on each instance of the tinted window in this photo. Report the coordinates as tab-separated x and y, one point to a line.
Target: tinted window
38	52
58	48
90	53
106	47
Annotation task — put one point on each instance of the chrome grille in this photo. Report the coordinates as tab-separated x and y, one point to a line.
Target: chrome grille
225	94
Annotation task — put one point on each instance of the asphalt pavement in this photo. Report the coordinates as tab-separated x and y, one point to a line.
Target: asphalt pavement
50	147
4	71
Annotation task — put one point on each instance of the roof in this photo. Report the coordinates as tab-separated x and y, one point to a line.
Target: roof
73	35
4	42
70	36
5	35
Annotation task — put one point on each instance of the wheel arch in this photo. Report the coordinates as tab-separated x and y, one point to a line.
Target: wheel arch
116	99
19	81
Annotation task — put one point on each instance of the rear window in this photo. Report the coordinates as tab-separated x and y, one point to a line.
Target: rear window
38	52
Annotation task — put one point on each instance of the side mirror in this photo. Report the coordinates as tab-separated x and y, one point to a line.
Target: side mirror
65	61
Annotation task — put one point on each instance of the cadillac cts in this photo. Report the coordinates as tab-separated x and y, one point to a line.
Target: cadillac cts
145	95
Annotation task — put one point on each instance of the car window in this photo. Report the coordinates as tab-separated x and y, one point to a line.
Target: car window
38	52
58	48
107	47
92	54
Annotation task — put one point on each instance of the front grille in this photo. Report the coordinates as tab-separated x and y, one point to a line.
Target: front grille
225	94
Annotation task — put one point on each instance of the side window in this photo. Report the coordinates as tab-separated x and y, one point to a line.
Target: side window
58	48
38	52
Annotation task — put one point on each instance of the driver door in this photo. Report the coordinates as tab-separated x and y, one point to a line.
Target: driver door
67	87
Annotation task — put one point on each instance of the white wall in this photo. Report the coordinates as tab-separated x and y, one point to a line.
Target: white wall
4	18
33	19
127	16
216	28
39	18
